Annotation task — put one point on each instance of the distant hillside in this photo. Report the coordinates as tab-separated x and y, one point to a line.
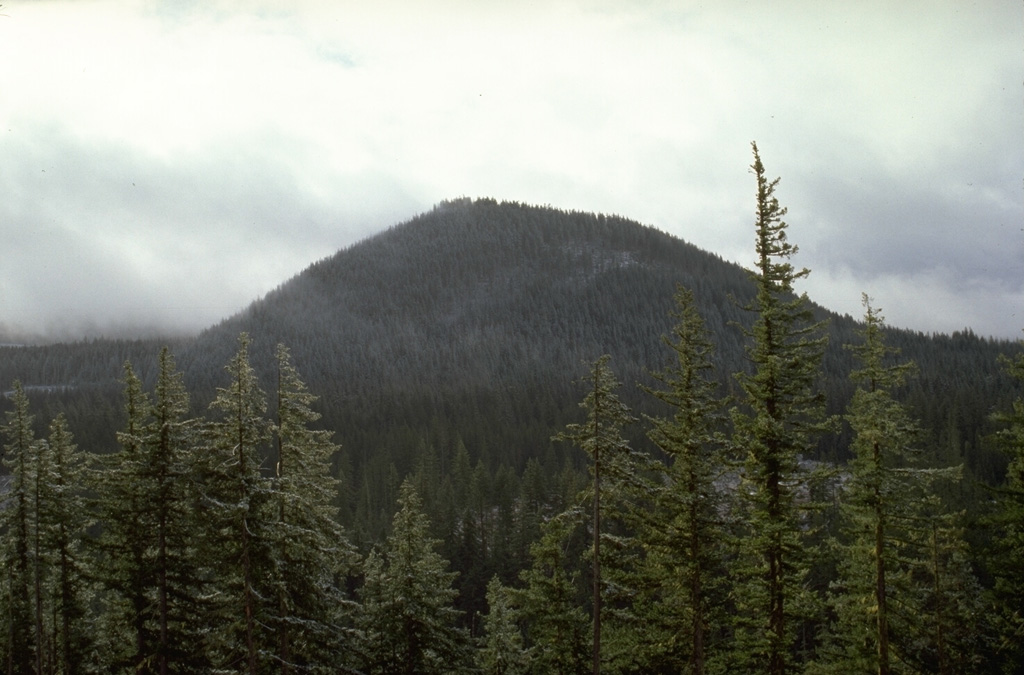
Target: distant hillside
474	321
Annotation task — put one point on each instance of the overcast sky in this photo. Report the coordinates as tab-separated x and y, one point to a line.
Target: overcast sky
162	164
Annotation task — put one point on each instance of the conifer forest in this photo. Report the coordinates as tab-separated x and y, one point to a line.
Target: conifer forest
503	439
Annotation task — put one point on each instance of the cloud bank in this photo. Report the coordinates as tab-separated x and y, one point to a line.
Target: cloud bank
164	164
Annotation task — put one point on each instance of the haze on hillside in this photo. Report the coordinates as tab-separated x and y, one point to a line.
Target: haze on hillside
165	164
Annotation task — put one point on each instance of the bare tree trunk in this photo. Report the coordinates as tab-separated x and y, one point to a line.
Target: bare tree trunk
597	530
696	591
776	581
880	595
940	633
37	575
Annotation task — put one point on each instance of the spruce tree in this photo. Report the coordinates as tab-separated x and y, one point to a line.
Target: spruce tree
685	533
235	498
23	651
943	621
311	552
44	521
62	524
146	503
1008	547
408	623
502	651
611	459
876	501
904	594
557	627
126	536
777	426
166	477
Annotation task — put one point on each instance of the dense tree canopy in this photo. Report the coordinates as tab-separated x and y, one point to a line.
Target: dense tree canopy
403	504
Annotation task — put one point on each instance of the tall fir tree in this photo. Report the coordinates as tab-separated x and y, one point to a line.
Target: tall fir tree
1007	549
685	534
557	626
943	623
408	621
146	505
63	520
22	649
167	478
502	651
601	438
312	555
781	418
236	497
877	499
126	537
45	522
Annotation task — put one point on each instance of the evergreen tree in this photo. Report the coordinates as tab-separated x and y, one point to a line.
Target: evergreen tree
166	476
311	552
685	533
502	651
62	523
126	537
876	502
44	524
236	500
408	621
943	621
155	582
531	505
41	564
557	627
601	438
779	424
904	596
23	649
1008	547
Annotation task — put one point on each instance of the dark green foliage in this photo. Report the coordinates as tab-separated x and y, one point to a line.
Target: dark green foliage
471	321
408	621
22	648
166	486
126	538
235	499
878	506
311	553
613	462
1008	548
62	521
198	538
685	533
445	350
502	651
777	427
44	523
558	627
944	621
150	568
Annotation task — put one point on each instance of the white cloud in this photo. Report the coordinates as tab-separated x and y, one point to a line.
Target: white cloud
930	301
175	136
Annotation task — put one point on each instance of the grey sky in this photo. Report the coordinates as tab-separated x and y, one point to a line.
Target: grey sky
163	164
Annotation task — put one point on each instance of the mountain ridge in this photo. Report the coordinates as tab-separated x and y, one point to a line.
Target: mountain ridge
472	323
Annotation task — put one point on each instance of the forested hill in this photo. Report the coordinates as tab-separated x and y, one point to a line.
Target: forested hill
477	319
478	295
473	322
446	352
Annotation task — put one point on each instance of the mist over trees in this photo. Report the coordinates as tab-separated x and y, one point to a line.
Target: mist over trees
508	439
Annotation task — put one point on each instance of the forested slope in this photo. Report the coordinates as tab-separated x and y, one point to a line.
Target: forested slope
476	319
444	354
